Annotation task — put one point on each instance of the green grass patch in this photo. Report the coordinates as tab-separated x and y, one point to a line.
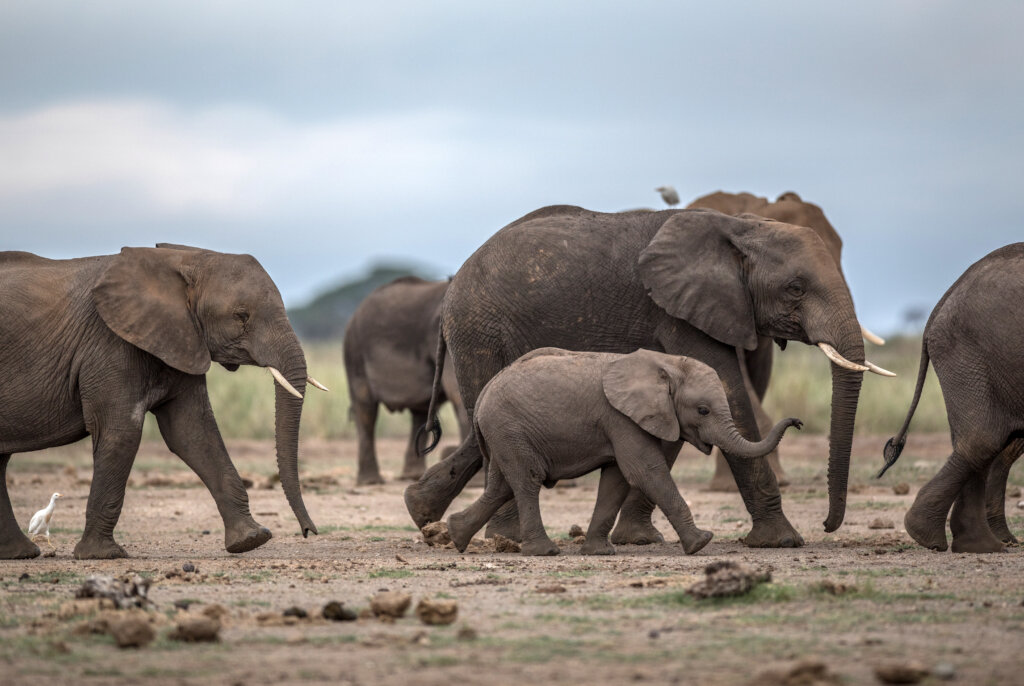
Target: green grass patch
390	574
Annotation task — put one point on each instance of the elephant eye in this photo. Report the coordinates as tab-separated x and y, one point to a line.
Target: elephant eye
242	316
795	288
703	410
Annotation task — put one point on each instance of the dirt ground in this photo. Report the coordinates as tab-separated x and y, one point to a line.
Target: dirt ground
565	619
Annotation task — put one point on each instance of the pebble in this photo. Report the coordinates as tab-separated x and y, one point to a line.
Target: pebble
437	612
295	611
575	530
944	671
131	632
909	672
197	630
337	612
188	567
881	523
902	488
393	604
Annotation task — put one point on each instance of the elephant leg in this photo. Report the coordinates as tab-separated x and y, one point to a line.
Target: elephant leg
415	464
635	526
463	525
612	490
190	432
647	470
14	545
365	415
113	453
968	521
535	539
995	490
428	498
925	521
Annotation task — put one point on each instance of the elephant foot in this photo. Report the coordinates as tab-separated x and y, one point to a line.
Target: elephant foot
369	479
927	532
425	506
242	540
986	543
18	549
460	531
541	547
1002	531
723	483
698	540
597	547
506	523
96	548
635	532
775	533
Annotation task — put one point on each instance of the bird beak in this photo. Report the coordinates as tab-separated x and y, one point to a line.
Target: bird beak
59	495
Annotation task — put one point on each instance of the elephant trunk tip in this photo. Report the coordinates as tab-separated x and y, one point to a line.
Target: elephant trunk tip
309	529
834	522
892	451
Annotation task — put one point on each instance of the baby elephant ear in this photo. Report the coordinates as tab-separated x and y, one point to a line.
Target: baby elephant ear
638	385
694	270
142	296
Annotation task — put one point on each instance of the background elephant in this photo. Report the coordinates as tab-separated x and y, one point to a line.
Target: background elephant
88	346
389	348
686	282
790	209
975	340
629	416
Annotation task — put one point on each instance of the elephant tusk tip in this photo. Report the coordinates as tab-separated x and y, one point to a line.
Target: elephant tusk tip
871	337
878	370
316	384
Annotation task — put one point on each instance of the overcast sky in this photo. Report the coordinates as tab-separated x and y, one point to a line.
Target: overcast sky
324	136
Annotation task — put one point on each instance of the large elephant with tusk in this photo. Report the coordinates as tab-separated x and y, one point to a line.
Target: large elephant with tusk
686	282
791	209
89	345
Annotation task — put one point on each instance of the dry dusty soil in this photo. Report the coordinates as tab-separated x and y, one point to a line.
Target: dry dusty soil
854	600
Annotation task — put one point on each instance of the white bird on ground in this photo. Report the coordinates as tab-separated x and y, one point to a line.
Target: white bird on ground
39	525
669	195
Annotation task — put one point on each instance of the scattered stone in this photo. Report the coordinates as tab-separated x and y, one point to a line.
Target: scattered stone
1020	505
505	545
1014	492
125	592
131	632
247	483
908	672
902	488
579	540
196	629
726	578
556	588
337	612
50	553
24	576
295	611
182	604
436	534
188	567
437	612
575	531
834	587
802	673
881	523
944	671
206	532
391	604
466	633
401	559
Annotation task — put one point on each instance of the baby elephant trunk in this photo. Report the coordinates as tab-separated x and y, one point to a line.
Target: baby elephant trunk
726	436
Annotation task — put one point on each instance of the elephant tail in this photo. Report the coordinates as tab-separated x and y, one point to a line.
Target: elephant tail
894	446
432	425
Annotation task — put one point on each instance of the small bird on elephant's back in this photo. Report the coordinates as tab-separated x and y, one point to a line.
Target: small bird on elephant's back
669	195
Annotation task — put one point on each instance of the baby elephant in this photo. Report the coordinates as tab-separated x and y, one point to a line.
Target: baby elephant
554	414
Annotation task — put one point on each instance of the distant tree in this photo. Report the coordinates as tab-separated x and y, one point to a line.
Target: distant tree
914	317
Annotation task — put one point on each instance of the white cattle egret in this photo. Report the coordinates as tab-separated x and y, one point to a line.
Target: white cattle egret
39	525
669	195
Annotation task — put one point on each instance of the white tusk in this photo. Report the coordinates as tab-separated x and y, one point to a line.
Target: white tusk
870	336
834	355
878	370
279	377
310	380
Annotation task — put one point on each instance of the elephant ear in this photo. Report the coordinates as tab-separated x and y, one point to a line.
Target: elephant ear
143	297
694	270
639	386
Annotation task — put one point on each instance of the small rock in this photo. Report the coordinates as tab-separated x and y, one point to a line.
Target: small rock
24	576
196	629
437	612
1014	492
1020	505
556	588
436	534
579	540
466	633
391	604
881	523
576	530
295	611
944	671
50	553
188	567
131	632
247	483
505	545
206	532
802	673
902	488
909	672
337	612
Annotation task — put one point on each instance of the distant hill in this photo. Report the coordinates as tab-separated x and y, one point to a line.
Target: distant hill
327	315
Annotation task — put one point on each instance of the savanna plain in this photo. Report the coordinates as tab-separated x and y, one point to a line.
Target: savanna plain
861	597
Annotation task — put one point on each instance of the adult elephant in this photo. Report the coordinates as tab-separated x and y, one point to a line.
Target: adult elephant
975	340
89	345
389	348
791	209
686	282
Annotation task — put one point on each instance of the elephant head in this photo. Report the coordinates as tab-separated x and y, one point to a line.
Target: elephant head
189	307
673	397
737	278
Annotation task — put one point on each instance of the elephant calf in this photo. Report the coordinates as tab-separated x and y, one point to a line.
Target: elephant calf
555	414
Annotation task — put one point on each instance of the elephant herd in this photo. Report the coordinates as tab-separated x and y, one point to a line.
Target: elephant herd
570	341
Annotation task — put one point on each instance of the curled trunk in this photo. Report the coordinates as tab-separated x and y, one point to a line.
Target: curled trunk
726	436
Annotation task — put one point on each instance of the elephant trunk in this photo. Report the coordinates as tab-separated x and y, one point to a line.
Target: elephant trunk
287	413
845	394
726	436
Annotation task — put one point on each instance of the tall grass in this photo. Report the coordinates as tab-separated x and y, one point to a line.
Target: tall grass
801	386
